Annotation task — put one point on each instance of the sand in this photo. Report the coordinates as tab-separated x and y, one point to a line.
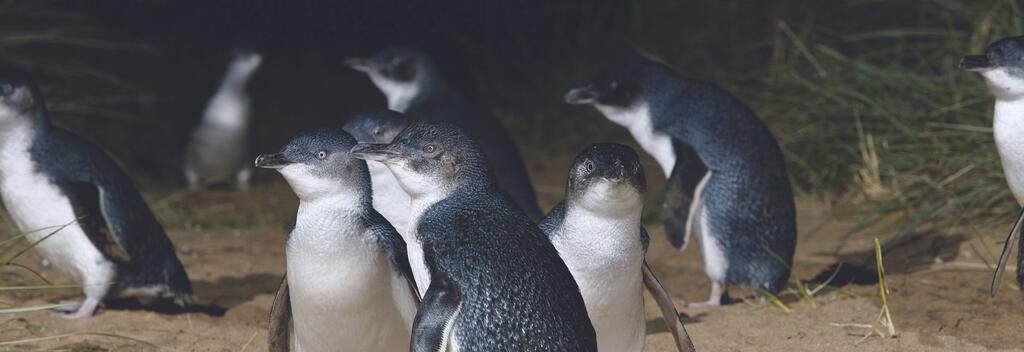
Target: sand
939	293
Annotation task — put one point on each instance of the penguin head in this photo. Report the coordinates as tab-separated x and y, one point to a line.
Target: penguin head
607	178
399	73
618	90
244	62
20	101
317	164
376	127
430	159
1002	66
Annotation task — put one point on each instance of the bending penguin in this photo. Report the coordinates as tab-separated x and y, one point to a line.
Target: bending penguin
216	151
348	282
413	84
496	281
598	233
80	209
1002	67
727	177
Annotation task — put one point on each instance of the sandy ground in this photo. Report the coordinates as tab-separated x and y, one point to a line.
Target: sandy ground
938	297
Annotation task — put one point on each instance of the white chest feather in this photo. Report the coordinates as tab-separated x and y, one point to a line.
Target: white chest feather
39	208
1008	127
399	94
389	199
414	247
605	256
423	193
639	123
342	287
716	262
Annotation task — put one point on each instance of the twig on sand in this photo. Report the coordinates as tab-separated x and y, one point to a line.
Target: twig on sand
884	319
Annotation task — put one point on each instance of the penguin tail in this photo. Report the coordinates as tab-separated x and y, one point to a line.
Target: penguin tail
155	280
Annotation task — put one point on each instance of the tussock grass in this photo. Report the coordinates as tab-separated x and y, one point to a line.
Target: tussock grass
883	325
863	96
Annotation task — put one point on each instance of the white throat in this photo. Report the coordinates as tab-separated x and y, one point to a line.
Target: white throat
638	121
399	94
422	192
229	106
1008	128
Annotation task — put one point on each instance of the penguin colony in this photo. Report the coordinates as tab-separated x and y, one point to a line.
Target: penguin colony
418	228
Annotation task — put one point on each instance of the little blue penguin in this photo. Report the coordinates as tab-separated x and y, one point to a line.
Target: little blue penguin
727	177
50	178
1002	67
217	149
598	233
414	84
388	197
496	281
348	277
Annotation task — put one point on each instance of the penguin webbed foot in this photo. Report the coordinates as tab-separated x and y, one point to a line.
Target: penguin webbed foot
719	295
72	310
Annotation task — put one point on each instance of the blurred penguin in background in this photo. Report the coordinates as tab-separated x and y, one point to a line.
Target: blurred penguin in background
217	150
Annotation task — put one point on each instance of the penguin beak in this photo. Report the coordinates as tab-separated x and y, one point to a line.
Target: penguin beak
272	161
359	64
375	152
582	95
975	63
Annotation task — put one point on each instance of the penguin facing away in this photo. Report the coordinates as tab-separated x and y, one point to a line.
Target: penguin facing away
496	281
598	233
742	206
51	178
414	84
1003	70
217	150
348	282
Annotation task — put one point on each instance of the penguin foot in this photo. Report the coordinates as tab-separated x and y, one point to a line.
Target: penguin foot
77	311
713	302
718	295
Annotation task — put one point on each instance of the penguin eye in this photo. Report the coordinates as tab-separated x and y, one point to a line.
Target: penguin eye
429	148
376	131
589	165
321	155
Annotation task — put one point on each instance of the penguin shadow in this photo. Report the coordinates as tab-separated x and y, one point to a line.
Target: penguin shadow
214	298
913	253
657	325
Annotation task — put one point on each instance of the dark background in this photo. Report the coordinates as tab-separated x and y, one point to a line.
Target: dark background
521	56
863	96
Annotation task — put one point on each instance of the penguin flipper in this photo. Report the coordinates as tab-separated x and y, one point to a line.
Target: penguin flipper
645	239
393	244
679	194
433	327
553	220
84	199
997	279
668	310
280	315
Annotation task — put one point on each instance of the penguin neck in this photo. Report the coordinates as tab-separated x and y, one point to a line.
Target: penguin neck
328	213
600	237
230	105
1008	130
17	133
638	120
399	95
